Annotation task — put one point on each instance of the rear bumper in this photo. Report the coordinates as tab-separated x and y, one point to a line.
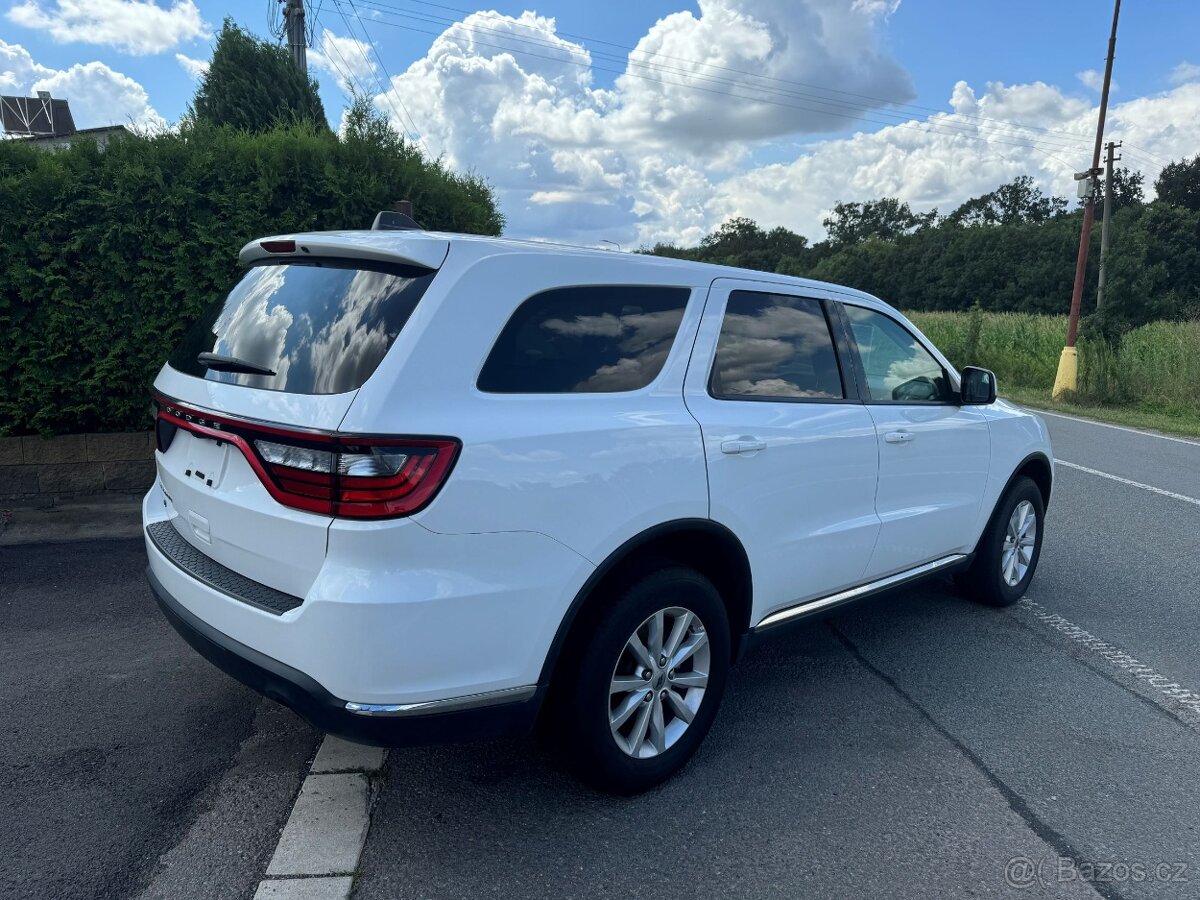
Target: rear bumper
291	687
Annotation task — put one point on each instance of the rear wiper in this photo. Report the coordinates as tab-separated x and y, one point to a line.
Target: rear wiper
231	364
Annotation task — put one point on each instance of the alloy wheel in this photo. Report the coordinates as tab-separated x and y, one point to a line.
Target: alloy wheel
658	682
1019	541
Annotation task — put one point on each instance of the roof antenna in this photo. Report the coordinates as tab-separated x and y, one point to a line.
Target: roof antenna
614	243
399	218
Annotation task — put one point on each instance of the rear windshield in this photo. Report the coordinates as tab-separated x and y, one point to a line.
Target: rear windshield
322	326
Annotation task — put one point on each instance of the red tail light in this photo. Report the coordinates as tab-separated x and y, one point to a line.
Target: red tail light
344	475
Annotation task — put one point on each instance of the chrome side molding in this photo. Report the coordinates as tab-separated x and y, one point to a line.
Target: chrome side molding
450	704
810	606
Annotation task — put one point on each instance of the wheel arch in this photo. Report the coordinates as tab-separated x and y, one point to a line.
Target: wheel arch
1038	468
702	544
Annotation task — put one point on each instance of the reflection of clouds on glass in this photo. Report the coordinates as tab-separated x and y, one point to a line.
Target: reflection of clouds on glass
360	320
603	325
322	328
251	331
919	364
891	356
754	348
644	338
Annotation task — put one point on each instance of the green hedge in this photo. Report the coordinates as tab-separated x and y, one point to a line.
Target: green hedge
107	256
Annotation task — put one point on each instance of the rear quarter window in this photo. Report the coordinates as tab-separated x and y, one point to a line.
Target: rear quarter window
322	326
594	339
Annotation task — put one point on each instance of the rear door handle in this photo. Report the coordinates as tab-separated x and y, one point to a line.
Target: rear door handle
743	445
898	437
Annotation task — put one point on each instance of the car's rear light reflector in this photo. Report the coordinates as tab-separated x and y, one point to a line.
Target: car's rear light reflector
278	246
351	476
295	457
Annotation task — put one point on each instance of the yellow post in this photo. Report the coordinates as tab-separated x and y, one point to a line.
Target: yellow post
1067	378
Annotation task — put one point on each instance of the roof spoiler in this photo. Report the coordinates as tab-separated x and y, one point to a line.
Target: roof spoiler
389	220
422	249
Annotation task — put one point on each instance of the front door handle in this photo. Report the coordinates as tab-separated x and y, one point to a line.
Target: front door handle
743	445
898	437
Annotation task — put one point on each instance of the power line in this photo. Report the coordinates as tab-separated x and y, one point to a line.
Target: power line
390	91
975	131
873	101
347	74
940	128
858	108
357	85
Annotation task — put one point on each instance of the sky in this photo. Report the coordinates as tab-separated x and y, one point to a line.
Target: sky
657	120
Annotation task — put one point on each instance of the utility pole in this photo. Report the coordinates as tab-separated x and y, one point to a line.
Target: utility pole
1067	378
1108	182
293	24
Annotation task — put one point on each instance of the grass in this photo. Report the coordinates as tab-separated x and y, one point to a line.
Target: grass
1182	423
1151	381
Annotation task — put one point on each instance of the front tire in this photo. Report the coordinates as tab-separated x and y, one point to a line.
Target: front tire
647	682
1008	552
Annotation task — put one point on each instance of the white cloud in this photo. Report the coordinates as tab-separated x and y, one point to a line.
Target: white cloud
678	83
132	26
880	8
938	166
666	153
197	68
1094	80
348	60
98	95
1185	72
570	158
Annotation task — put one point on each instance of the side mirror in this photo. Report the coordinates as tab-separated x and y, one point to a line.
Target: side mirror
978	387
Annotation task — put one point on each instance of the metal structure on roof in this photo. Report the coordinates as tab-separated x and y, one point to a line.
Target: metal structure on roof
40	116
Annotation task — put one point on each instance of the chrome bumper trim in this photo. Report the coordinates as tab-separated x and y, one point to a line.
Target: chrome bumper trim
450	704
870	587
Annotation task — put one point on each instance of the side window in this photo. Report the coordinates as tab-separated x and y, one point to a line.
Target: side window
775	347
585	340
898	368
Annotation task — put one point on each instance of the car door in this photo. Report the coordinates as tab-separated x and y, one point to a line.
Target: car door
934	454
789	447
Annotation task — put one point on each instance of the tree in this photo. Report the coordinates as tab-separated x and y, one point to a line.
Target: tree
1179	184
1019	201
251	85
885	219
1126	188
734	238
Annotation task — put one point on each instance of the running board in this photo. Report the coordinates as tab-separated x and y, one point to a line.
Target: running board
871	587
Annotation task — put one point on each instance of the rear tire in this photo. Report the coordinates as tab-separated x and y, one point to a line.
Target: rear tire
1008	552
660	655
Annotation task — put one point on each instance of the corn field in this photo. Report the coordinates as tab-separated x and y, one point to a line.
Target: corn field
1156	367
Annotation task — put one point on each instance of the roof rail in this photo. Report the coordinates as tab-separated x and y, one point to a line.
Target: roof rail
389	220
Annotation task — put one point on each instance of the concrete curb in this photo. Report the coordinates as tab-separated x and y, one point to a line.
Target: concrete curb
98	519
318	851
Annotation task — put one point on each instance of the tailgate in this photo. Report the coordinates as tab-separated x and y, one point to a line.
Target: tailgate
222	506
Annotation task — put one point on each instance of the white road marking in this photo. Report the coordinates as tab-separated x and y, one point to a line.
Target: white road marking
1182	702
1137	484
319	848
335	888
1164	437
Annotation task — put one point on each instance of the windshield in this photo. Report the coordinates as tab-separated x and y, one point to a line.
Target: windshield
321	326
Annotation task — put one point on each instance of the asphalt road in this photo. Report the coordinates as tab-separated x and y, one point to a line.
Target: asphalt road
121	744
915	746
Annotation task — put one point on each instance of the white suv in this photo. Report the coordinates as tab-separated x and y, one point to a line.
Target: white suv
425	486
